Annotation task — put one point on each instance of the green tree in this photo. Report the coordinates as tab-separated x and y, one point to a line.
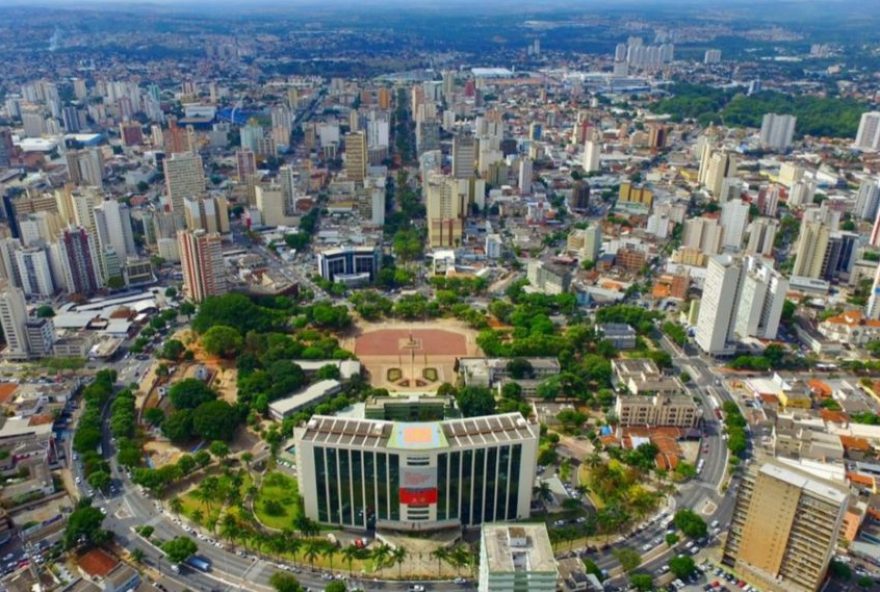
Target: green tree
284	582
215	420
137	555
223	341
335	586
84	526
178	427
189	393
179	549
682	566
475	400
642	582
99	480
629	558
690	523
172	349
45	311
520	368
671	539
154	416
219	449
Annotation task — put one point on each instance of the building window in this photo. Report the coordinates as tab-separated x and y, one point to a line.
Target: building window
333	480
442	480
382	484
394	485
479	484
512	497
503	482
321	484
370	488
466	483
454	480
491	467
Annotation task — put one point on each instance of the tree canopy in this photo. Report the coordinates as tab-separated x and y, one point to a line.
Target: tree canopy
179	549
189	393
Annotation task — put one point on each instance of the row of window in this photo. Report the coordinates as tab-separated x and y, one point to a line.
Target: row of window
355	488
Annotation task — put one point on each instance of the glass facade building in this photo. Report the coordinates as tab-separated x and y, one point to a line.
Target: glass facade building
361	473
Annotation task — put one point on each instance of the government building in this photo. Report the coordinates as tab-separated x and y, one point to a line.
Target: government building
373	473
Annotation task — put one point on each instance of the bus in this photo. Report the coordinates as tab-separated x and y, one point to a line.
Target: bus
200	563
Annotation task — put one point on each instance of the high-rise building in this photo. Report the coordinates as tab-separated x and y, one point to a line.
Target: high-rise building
734	218
82	262
132	134
86	167
812	246
201	257
251	134
356	157
287	180
427	136
184	177
712	56
8	263
867	200
525	176
446	209
785	528
742	297
35	272
464	156
592	150
872	311
515	557
777	131
704	234
718	167
762	234
113	224
580	196
7	148
40	337
13	319
868	136
245	164
761	300
210	214
801	193
840	255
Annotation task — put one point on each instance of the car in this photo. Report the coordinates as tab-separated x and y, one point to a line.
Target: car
416	588
459	580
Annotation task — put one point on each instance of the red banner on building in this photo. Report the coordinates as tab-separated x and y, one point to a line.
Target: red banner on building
418	497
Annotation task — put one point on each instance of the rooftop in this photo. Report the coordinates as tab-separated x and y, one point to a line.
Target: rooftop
817	487
374	433
520	548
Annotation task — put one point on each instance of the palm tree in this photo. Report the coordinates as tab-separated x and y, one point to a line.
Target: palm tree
176	505
229	528
350	553
398	556
137	555
198	516
293	545
380	555
312	551
460	557
441	554
330	551
543	492
212	522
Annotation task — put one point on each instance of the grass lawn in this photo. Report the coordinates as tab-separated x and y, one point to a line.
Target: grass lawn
191	502
584	479
276	504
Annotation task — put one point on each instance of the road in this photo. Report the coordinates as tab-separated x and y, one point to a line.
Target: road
702	494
